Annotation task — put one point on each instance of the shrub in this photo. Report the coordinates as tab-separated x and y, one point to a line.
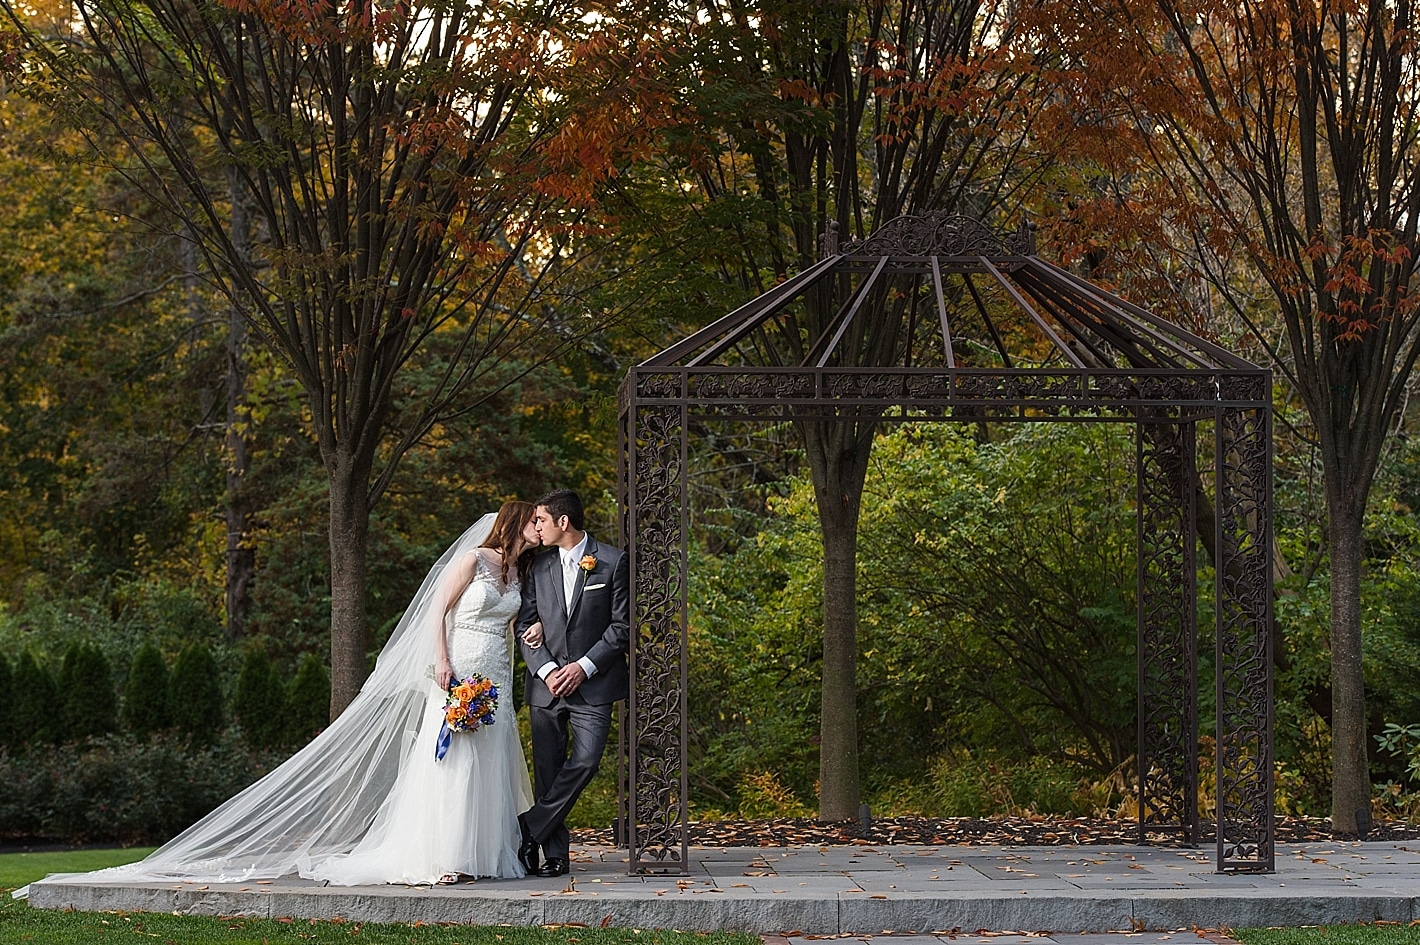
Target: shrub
762	796
259	703
308	702
145	697
122	789
88	704
962	785
6	696
34	709
195	694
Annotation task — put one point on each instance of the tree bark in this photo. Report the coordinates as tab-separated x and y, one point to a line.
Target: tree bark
838	452
1351	775
349	535
241	557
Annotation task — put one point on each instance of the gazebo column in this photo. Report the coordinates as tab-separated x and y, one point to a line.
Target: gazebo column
1168	628
657	527
1244	637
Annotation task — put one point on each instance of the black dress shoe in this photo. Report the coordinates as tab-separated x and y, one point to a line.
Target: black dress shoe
555	866
528	852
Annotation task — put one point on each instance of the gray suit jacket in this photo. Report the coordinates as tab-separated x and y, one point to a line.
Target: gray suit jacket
598	627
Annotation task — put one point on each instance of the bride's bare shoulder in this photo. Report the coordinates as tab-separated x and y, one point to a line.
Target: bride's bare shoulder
490	558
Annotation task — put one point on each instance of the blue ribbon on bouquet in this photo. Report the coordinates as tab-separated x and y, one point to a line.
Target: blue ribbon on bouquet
446	737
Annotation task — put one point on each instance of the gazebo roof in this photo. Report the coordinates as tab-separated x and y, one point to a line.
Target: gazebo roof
943	291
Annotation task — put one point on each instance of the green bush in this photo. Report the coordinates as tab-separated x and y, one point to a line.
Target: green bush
6	696
34	709
122	789
308	702
145	697
963	785
88	703
195	694
259	703
762	797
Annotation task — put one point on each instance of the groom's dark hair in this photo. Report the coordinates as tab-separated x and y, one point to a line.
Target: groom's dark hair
560	502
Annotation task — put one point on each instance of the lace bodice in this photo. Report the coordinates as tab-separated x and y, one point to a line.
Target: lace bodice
479	636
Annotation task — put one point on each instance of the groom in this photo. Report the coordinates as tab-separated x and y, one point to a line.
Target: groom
581	591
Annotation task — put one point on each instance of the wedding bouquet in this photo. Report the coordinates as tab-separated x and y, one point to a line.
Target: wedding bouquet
470	706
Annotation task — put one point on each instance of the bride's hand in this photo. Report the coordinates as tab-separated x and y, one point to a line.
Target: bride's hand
443	672
532	636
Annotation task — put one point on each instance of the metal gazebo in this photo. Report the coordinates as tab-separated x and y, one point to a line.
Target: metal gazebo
939	317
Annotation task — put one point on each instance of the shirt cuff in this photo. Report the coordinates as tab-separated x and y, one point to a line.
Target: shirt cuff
588	667
545	669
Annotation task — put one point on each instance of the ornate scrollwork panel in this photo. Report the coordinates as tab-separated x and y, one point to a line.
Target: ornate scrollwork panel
1039	386
1168	632
856	385
941	233
657	707
1246	387
1176	388
931	387
665	386
1244	640
750	386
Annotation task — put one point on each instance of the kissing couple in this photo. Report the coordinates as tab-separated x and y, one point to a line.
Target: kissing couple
386	794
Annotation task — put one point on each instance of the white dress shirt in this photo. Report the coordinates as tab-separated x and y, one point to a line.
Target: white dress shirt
571	563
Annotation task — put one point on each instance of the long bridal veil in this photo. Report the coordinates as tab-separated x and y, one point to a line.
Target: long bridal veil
321	800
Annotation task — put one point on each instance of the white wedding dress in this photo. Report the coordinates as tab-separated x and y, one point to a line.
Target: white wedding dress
365	801
458	814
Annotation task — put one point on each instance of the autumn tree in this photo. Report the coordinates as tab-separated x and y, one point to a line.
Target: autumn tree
797	116
1284	134
392	164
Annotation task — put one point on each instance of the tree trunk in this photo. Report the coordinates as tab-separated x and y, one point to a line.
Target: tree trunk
838	457
241	557
1350	772
349	534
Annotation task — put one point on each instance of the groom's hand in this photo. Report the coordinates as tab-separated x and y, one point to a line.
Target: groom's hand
565	680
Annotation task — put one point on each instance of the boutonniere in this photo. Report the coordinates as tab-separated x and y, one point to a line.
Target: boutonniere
587	563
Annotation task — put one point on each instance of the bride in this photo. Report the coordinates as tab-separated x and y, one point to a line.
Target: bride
458	815
366	801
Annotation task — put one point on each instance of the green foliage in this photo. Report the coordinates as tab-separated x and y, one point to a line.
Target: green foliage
995	614
308	701
1404	742
88	702
984	784
259	702
762	797
145	697
195	694
7	710
35	708
122	789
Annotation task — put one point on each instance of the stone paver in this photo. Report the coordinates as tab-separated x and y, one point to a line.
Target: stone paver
1144	896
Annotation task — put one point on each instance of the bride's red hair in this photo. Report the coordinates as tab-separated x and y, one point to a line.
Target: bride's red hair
508	527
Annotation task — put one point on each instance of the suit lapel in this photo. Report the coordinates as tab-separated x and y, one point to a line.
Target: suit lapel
554	589
581	581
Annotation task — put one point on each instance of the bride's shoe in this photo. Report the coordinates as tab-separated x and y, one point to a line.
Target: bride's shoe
449	879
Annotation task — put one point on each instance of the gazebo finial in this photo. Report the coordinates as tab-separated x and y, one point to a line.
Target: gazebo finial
828	242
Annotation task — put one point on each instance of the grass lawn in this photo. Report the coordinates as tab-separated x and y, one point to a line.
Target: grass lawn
17	869
1368	934
21	924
